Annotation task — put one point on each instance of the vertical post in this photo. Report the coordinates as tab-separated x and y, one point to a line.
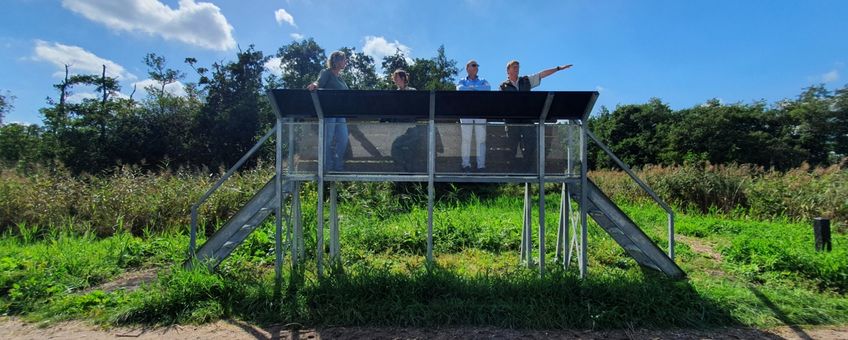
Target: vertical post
278	207
571	229
192	242
295	196
334	224
562	230
570	142
584	226
528	225
671	236
431	173
565	210
320	209
821	231
541	173
297	232
299	219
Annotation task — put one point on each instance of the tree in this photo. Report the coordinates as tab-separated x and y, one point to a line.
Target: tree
230	119
840	106
6	105
819	123
19	145
735	133
433	74
633	132
159	72
360	73
301	63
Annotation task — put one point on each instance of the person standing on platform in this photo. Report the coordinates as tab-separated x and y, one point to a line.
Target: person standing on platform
473	83
401	80
524	137
336	133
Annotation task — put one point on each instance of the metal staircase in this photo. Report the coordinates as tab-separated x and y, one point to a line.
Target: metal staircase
220	245
624	231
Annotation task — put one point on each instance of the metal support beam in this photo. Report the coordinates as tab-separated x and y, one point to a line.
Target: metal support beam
526	229
335	254
562	227
297	226
278	206
584	226
431	173
321	159
541	171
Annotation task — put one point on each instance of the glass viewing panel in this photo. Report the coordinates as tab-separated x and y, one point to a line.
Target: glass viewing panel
398	148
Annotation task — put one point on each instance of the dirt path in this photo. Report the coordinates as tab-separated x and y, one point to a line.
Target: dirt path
229	329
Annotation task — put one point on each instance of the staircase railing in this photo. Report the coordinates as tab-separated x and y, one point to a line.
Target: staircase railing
645	187
227	175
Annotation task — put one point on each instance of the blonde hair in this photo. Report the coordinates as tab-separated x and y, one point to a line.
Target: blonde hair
334	59
510	63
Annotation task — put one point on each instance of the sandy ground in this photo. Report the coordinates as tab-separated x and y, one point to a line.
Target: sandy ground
11	328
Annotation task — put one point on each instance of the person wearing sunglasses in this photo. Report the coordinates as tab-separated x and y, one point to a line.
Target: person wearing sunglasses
473	82
523	136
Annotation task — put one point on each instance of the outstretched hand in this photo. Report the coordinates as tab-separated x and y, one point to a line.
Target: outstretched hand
560	68
312	86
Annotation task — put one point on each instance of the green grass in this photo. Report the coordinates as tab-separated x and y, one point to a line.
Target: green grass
769	274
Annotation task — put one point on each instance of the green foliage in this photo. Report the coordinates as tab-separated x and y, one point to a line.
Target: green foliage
475	280
34	271
360	73
20	145
801	194
301	63
436	73
811	129
6	105
229	122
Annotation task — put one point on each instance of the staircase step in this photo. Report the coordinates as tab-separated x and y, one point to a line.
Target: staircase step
221	244
625	232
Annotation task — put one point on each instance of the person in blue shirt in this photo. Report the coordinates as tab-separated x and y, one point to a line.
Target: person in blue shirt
473	83
336	132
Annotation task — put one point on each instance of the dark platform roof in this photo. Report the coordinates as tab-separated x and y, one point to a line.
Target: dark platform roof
448	104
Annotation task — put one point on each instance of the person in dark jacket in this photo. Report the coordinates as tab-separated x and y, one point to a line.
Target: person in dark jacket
524	137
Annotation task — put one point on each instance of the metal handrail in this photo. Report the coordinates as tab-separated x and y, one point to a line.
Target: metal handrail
196	206
644	187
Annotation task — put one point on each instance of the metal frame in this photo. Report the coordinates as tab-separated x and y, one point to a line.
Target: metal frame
569	240
645	187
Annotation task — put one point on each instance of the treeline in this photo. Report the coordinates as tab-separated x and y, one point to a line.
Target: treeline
224	111
221	115
812	129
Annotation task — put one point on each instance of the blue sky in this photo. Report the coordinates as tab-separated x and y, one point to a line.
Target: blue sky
684	52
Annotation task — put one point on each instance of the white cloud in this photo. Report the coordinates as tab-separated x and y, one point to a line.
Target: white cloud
378	47
273	66
199	24
600	88
282	16
830	77
296	36
176	88
80	60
